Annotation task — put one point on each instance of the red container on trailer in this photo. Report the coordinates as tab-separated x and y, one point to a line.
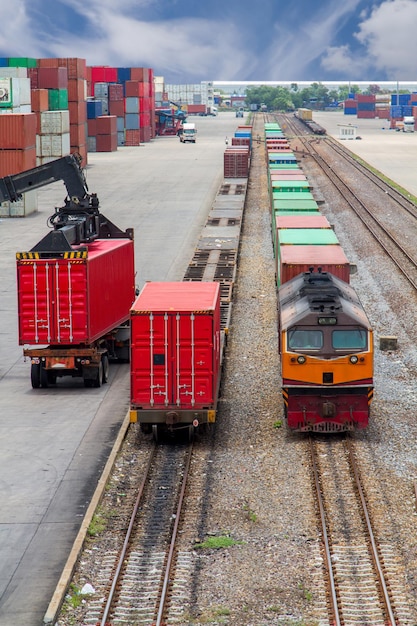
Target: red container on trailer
175	346
77	300
297	259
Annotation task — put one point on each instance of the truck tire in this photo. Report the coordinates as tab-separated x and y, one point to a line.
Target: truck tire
35	375
105	367
44	377
97	381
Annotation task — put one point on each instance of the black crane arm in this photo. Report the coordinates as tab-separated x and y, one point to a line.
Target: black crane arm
67	169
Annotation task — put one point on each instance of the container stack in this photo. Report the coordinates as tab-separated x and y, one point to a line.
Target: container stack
53	139
128	94
350	106
366	106
17	129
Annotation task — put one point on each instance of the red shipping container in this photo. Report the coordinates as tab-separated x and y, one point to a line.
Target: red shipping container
78	134
145	105
106	143
48	62
196	108
92	127
146	134
117	108
132	89
77	68
39	100
140	73
76	89
175	345
52	78
106	125
110	75
77	300
368	115
132	137
16	161
115	92
297	259
97	74
33	75
302	221
17	131
144	119
77	112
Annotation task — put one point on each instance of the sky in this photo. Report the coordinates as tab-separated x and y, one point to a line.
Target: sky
188	41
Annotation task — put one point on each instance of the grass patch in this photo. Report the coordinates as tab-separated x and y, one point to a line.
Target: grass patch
97	524
217	543
278	424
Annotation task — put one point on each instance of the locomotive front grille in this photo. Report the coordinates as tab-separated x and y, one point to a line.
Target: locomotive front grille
327	378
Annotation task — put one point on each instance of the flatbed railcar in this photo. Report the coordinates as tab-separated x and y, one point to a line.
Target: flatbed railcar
326	341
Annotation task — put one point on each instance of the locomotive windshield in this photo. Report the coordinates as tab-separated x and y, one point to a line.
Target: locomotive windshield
305	339
354	339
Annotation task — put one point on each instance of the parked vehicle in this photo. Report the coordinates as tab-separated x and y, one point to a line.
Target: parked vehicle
76	285
188	133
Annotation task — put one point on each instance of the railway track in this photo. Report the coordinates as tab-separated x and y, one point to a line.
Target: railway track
387	238
135	585
364	582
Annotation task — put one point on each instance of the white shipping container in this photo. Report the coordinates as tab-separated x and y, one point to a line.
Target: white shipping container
53	145
28	204
16	72
55	122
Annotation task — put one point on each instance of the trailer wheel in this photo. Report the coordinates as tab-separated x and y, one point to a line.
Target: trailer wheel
105	367
97	381
35	375
44	377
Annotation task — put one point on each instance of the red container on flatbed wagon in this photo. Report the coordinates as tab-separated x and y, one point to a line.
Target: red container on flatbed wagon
78	297
297	259
175	353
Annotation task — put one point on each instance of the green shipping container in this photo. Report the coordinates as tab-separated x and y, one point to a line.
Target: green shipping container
273	167
57	99
288	186
294	205
292	195
21	62
307	237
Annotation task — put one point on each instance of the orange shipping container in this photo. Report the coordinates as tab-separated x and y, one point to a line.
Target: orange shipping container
77	89
106	125
16	161
17	131
106	143
39	99
77	68
48	62
77	134
77	112
140	73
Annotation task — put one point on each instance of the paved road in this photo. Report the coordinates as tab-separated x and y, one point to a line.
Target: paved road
55	442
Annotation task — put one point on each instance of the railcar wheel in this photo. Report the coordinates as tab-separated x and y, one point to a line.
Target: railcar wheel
105	367
156	433
35	375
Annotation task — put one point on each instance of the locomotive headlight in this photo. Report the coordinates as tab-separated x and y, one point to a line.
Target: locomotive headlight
353	359
301	359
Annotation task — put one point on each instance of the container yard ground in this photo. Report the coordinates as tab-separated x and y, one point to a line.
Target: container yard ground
54	443
393	153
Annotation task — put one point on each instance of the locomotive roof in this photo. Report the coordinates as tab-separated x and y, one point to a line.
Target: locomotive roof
321	293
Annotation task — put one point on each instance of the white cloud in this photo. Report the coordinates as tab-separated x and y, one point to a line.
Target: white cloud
293	51
389	44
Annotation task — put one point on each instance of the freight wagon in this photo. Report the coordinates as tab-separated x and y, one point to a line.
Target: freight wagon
76	285
176	355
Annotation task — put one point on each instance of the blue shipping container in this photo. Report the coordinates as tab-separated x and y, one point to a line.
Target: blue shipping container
4	62
94	109
350	111
132	105
132	121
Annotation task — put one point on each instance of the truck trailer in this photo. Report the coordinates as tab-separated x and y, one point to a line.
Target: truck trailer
76	286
